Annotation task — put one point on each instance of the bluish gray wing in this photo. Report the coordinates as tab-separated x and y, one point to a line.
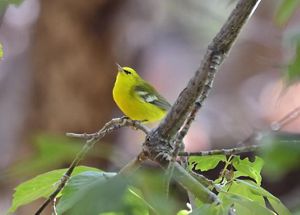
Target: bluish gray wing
148	94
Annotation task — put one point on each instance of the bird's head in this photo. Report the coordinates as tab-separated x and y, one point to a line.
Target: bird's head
127	73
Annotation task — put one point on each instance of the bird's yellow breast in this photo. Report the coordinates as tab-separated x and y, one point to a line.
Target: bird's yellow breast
131	105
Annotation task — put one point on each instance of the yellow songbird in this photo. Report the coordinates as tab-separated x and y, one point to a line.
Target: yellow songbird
137	99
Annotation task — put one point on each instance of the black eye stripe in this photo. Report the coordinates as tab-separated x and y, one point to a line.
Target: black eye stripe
126	71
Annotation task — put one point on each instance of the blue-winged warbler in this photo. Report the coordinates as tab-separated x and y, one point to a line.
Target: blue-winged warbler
136	98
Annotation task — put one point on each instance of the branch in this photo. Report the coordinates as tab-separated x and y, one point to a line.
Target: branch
288	118
193	185
202	81
231	151
275	127
110	126
91	140
159	144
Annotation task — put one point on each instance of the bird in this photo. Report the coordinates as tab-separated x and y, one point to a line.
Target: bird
136	98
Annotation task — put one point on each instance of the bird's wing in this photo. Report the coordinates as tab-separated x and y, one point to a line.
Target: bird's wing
147	93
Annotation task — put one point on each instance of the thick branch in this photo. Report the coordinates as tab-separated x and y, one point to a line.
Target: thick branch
193	185
203	79
160	142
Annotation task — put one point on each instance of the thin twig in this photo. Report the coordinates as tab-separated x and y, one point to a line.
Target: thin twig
231	151
113	124
275	126
91	140
288	118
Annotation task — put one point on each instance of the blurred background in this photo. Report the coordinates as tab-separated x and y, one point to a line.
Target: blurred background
58	71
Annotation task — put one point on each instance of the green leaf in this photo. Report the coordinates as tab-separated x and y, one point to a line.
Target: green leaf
285	11
92	193
275	202
247	168
205	163
209	209
40	186
134	204
292	74
134	200
279	207
250	208
1	51
245	191
14	2
153	185
52	151
183	212
281	155
243	205
101	193
5	3
255	188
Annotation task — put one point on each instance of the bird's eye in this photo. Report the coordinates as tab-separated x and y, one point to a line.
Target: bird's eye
127	72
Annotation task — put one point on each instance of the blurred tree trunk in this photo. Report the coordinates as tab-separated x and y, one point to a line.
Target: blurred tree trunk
73	65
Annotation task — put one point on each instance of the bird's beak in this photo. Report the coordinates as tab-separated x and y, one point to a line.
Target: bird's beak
120	69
